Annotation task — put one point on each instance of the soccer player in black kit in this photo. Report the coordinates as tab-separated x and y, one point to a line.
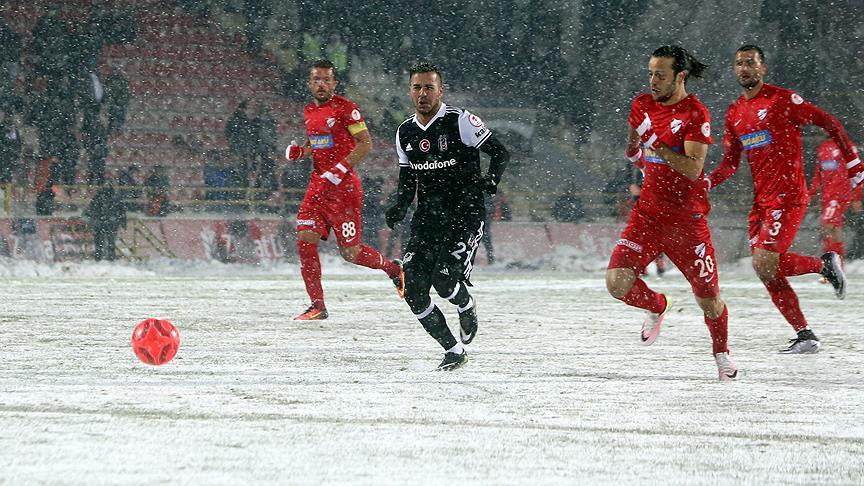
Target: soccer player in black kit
439	161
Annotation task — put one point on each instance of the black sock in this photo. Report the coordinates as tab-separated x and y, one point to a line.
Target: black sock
462	297
436	325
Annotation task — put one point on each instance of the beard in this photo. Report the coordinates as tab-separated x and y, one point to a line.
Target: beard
663	97
749	83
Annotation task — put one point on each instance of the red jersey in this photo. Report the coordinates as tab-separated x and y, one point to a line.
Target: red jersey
330	130
830	175
768	127
666	193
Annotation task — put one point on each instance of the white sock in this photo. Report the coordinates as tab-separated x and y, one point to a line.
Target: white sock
458	349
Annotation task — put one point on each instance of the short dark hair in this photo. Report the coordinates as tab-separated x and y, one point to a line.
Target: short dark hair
752	47
683	61
322	64
425	67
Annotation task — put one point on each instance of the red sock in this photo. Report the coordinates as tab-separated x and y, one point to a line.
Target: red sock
370	258
787	302
830	244
792	264
310	270
644	298
719	329
827	244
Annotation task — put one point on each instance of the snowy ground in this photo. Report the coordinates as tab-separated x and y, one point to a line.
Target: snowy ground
557	389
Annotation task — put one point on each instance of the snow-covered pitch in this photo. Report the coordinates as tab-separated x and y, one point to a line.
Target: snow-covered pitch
558	389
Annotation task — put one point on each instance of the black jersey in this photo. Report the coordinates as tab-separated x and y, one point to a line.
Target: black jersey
444	158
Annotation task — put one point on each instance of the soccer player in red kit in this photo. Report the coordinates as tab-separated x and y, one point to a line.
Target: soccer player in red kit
766	122
670	131
831	179
337	139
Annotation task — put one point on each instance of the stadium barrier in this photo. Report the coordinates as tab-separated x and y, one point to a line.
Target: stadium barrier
268	239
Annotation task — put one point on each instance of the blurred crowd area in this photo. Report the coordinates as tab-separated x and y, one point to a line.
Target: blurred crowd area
187	105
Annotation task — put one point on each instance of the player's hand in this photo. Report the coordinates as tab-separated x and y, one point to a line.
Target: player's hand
646	133
395	214
634	155
488	184
294	151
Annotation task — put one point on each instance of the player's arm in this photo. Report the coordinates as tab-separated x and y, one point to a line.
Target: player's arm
732	149
474	133
633	152
690	163
406	188
856	200
808	113
499	156
362	149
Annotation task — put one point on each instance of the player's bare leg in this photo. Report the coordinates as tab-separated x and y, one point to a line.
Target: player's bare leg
717	320
369	257
623	284
310	270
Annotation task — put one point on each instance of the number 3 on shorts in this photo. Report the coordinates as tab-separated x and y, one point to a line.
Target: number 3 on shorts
775	228
348	229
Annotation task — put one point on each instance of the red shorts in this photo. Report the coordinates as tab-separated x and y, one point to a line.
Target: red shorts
687	244
340	210
833	211
773	227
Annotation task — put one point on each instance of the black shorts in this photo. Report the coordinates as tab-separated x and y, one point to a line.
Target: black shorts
449	252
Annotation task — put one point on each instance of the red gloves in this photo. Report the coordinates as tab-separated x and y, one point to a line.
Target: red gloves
646	134
294	151
634	156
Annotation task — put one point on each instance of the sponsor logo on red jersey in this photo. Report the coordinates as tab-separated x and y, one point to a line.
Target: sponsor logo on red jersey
756	139
321	141
829	164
